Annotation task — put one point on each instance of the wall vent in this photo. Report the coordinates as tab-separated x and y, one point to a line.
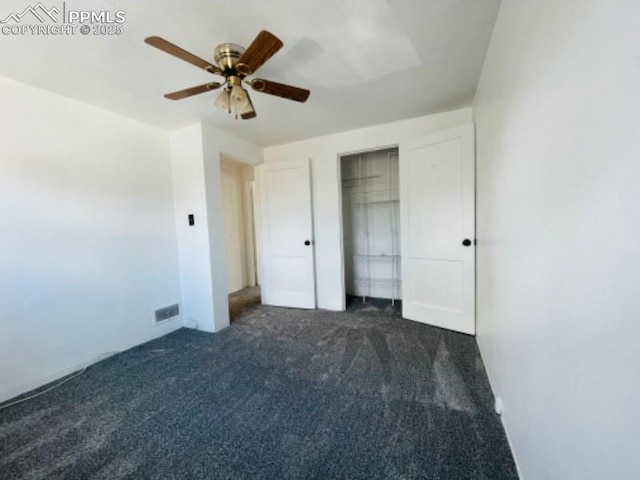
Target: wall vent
166	313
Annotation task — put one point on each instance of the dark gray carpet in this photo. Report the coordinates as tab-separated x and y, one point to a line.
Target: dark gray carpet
281	394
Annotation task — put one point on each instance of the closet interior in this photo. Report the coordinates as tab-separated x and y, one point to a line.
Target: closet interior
371	224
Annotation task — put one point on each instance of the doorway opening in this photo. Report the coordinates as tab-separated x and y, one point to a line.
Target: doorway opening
238	203
371	229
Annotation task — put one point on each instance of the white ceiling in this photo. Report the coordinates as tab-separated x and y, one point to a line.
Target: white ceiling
365	61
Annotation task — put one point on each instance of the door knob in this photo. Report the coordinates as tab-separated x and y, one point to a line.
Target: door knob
307	242
466	242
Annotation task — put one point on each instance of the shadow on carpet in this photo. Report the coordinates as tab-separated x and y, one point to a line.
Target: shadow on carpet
281	394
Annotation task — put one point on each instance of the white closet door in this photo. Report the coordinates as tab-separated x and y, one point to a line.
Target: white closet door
437	215
288	272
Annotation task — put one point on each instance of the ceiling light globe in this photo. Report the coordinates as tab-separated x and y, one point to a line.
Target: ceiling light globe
223	100
239	97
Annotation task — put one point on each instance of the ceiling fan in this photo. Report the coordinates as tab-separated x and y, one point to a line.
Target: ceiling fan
234	63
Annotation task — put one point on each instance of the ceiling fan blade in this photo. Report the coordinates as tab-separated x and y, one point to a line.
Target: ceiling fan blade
171	49
188	92
280	90
251	113
263	47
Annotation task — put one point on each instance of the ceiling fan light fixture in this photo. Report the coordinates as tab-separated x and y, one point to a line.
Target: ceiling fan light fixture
239	97
248	108
234	63
223	101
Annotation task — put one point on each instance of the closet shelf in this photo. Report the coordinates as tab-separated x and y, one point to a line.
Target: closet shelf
359	179
370	192
372	202
377	281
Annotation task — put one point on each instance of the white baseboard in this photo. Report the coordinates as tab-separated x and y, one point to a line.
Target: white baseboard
169	326
513	454
502	416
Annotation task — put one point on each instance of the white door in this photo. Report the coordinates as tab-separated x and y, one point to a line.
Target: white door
437	220
287	273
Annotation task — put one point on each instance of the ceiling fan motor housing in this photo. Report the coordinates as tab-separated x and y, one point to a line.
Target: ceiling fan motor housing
226	55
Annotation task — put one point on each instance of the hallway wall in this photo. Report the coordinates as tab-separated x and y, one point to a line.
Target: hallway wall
237	222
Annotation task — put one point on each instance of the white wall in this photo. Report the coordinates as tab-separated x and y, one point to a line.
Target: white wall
324	153
216	145
87	243
193	241
558	154
196	151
